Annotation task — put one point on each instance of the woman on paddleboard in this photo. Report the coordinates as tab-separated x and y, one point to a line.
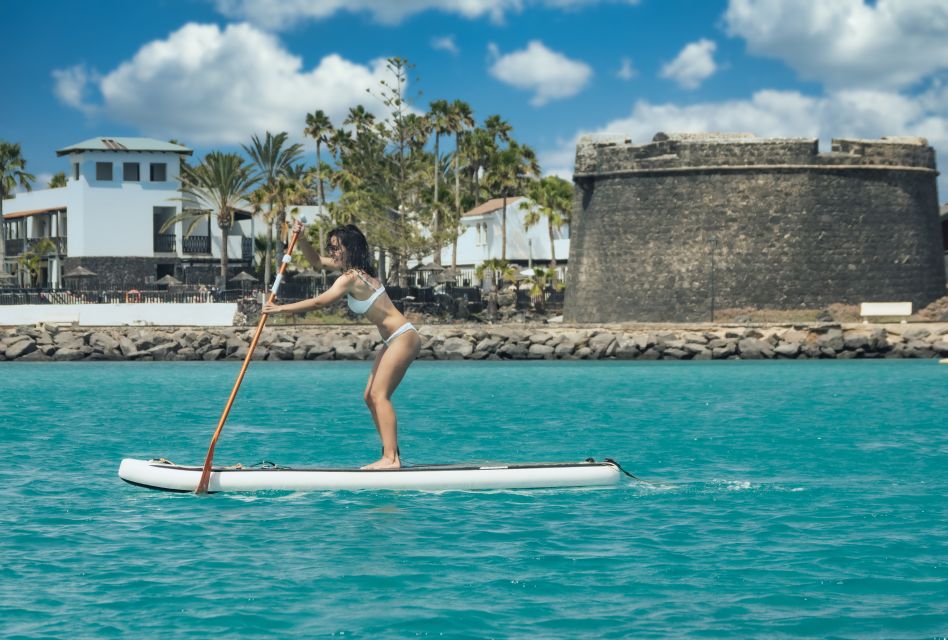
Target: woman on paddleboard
349	252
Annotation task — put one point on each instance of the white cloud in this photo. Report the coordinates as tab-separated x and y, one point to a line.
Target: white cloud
573	5
626	69
42	180
769	113
70	85
693	65
445	43
550	75
887	44
211	86
282	14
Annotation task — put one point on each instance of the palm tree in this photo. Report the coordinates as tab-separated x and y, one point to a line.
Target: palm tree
32	258
479	147
498	268
273	160
440	119
319	128
498	128
58	180
339	141
552	198
461	118
220	183
508	169
12	172
259	197
359	119
538	282
291	188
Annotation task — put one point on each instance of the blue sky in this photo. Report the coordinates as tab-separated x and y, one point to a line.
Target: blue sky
211	73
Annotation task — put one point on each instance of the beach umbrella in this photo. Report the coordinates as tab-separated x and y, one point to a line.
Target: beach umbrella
80	272
446	276
427	269
167	280
311	275
431	267
243	276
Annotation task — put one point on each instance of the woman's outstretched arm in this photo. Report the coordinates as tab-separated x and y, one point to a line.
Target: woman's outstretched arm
339	288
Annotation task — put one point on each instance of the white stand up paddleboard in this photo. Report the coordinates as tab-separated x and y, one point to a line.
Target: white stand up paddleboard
155	474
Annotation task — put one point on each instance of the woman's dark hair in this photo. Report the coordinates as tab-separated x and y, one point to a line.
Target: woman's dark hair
357	249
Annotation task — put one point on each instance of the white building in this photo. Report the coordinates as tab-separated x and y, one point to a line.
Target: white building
481	240
108	218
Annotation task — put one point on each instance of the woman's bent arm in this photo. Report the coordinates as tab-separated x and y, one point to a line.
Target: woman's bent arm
312	255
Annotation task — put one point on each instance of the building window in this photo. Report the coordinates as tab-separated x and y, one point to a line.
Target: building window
103	171
481	235
159	172
75	170
164	237
130	172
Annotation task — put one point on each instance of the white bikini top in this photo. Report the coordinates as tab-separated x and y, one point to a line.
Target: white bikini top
362	306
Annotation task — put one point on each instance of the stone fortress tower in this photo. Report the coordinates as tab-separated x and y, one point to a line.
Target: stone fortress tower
668	230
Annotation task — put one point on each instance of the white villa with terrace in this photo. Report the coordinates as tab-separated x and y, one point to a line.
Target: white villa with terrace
480	237
109	217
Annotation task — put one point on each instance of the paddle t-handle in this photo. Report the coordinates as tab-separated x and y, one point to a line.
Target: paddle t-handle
208	461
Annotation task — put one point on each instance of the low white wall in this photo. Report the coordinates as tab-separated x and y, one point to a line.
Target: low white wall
99	315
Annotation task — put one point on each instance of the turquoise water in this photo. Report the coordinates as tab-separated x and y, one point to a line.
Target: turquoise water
791	499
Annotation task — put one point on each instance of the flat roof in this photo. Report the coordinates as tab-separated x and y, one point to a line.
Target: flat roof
124	144
32	212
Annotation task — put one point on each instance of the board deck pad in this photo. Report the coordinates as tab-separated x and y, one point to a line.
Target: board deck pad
163	475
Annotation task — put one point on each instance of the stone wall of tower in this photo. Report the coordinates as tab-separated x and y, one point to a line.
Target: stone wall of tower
666	230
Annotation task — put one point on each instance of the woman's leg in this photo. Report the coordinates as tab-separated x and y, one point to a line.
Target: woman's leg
392	365
366	396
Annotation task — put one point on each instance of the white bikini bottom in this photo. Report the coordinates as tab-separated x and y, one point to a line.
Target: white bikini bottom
399	331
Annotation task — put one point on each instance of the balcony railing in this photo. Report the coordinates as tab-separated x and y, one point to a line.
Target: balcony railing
197	244
18	246
164	243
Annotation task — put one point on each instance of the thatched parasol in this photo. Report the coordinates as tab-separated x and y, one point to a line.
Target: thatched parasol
80	272
446	276
243	276
431	267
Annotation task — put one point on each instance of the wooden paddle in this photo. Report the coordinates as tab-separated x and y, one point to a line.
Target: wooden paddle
206	472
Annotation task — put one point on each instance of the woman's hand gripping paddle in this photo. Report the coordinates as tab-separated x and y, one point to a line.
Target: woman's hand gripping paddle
206	472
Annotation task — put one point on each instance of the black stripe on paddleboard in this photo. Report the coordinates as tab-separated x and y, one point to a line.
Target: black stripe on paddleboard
151	486
430	467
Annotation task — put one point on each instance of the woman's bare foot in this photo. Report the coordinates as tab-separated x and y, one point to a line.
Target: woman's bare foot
385	463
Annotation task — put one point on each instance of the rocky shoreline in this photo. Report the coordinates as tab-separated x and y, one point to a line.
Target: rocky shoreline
482	342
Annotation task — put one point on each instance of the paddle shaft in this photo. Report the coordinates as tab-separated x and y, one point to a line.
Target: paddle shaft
208	461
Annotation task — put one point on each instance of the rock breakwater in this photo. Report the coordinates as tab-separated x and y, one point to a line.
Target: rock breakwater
480	342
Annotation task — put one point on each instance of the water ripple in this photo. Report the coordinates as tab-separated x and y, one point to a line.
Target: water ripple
787	500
